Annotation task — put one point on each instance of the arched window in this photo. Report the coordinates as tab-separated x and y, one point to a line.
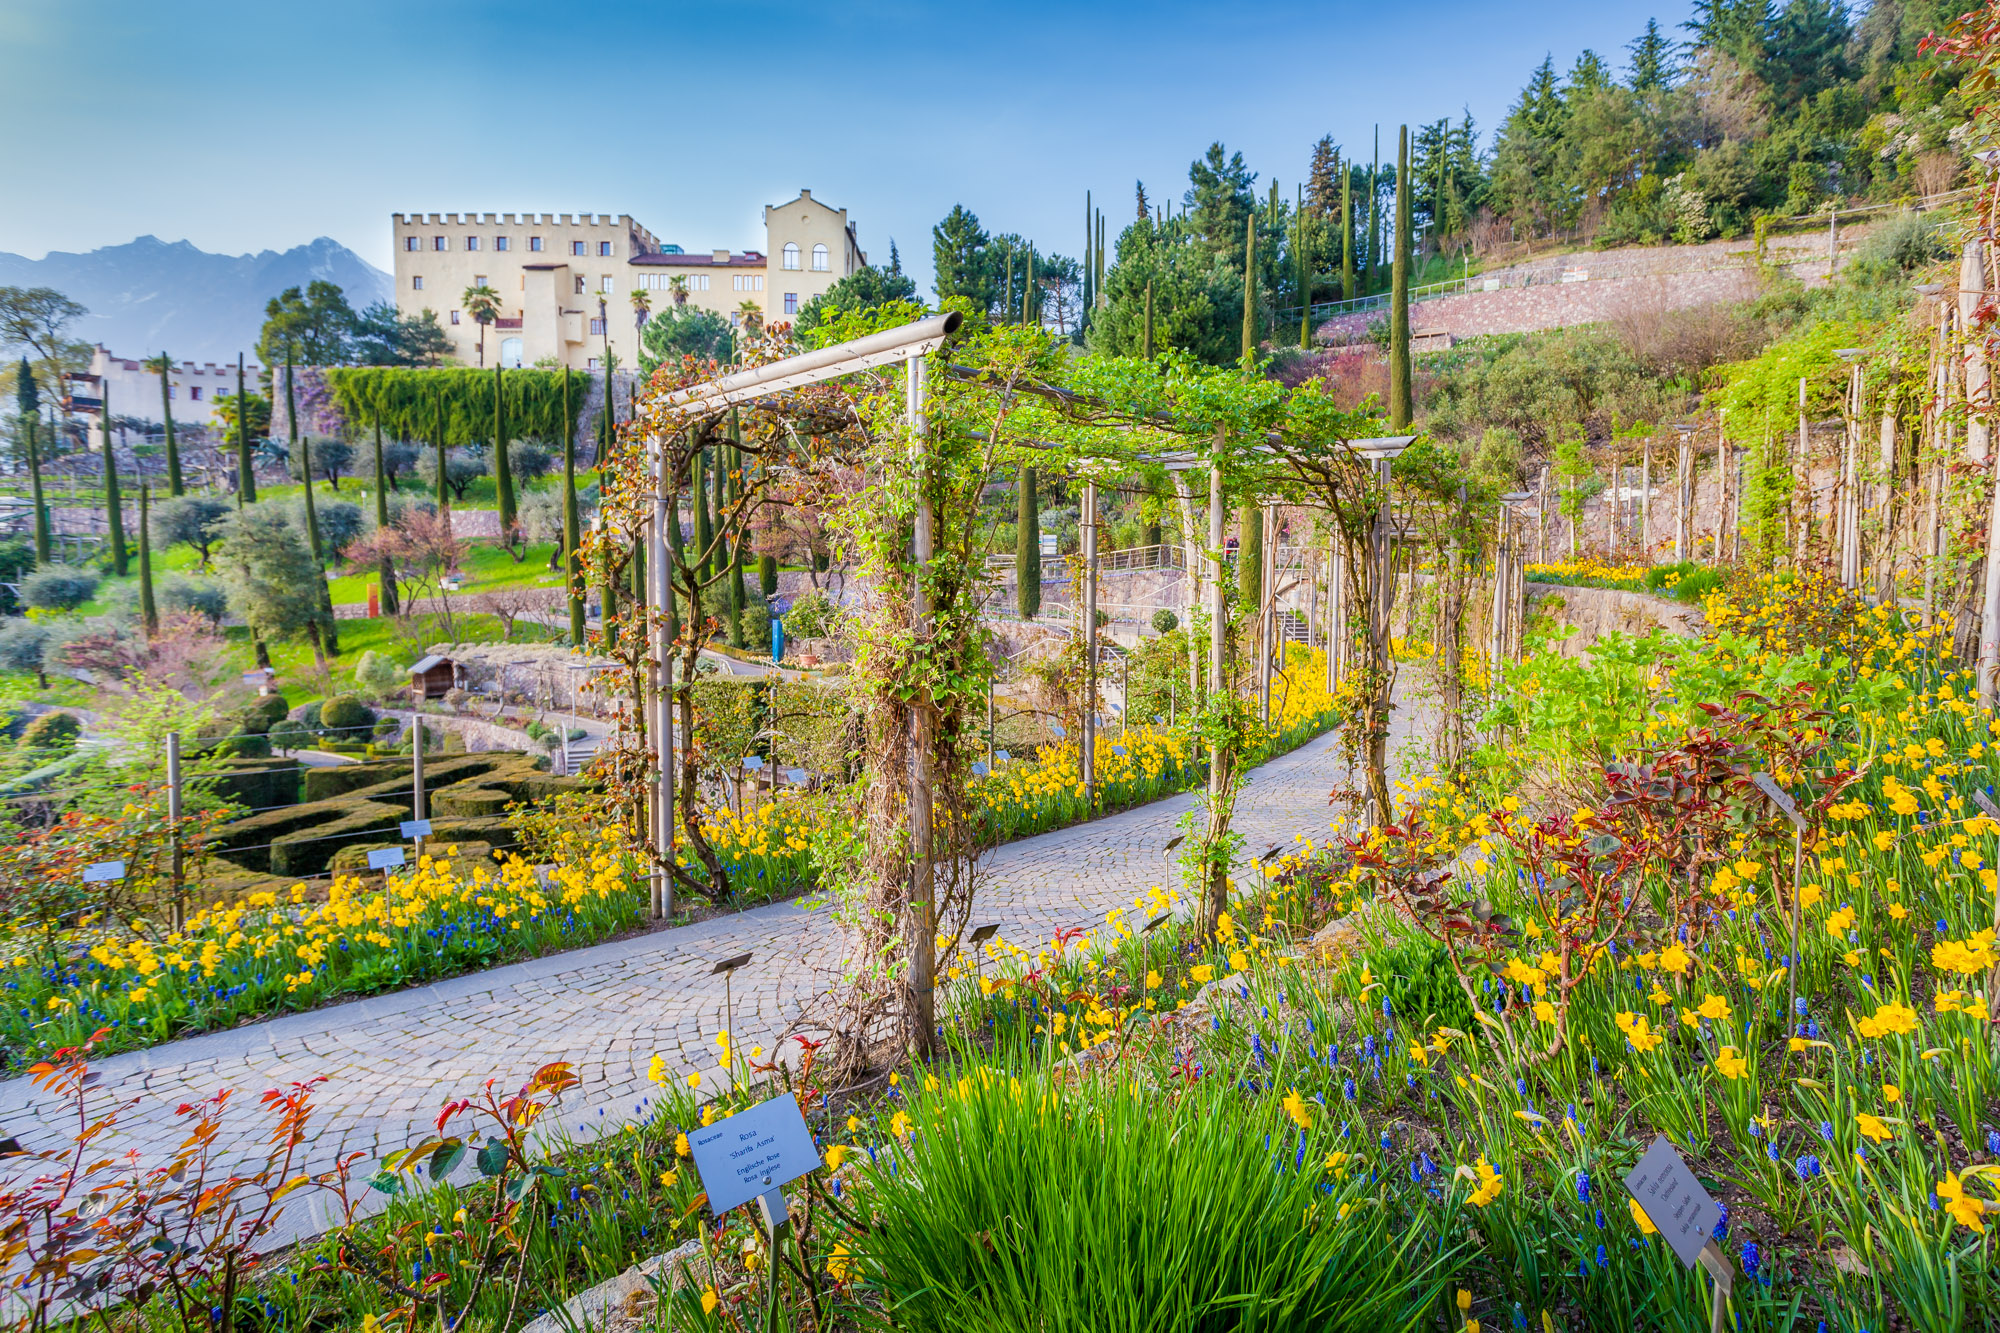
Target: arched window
791	254
819	259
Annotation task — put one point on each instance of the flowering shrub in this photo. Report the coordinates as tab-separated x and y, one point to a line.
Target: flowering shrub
266	953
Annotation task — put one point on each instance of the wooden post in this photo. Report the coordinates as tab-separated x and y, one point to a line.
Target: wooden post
1542	519
1266	609
1646	501
1684	498
666	509
177	911
1802	490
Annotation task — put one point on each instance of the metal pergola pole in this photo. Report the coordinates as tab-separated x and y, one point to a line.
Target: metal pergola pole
661	585
1087	758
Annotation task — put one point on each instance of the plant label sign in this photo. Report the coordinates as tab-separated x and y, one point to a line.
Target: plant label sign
753	1152
1986	803
416	828
103	871
385	858
1674	1200
1781	798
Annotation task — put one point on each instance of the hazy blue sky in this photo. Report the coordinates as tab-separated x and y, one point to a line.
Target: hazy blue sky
251	126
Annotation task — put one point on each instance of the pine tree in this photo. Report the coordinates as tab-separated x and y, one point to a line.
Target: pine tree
114	505
1401	408
1652	59
958	253
167	417
28	406
149	610
1145	209
246	471
572	525
503	468
1027	546
1323	180
385	569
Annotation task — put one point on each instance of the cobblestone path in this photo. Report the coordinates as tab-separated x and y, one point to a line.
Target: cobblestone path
394	1059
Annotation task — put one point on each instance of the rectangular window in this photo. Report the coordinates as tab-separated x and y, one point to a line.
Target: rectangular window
702	280
604	247
410	243
174	391
472	242
479	279
535	244
579	284
417	282
194	393
454	317
576	248
608	284
591	364
499	242
437	243
597	328
791	303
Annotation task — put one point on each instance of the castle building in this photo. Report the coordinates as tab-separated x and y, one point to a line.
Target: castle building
566	282
135	389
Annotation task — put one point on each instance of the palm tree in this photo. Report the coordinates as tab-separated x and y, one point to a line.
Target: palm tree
642	310
678	285
753	316
483	304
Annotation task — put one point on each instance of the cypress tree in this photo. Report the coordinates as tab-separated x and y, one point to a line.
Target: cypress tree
1401	408
676	547
246	472
1250	555
572	561
1149	319
503	469
1250	286
149	610
437	445
1089	258
767	576
703	533
1374	214
1305	273
1346	233
386	568
28	403
114	505
1027	545
167	415
733	540
302	450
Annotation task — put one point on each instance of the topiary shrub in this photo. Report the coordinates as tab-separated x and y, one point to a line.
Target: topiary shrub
379	675
247	745
346	718
53	731
58	588
260	713
1165	621
289	736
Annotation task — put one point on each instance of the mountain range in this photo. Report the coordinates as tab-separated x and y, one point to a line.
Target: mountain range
151	295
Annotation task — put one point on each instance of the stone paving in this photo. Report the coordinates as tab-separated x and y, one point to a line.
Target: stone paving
393	1060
